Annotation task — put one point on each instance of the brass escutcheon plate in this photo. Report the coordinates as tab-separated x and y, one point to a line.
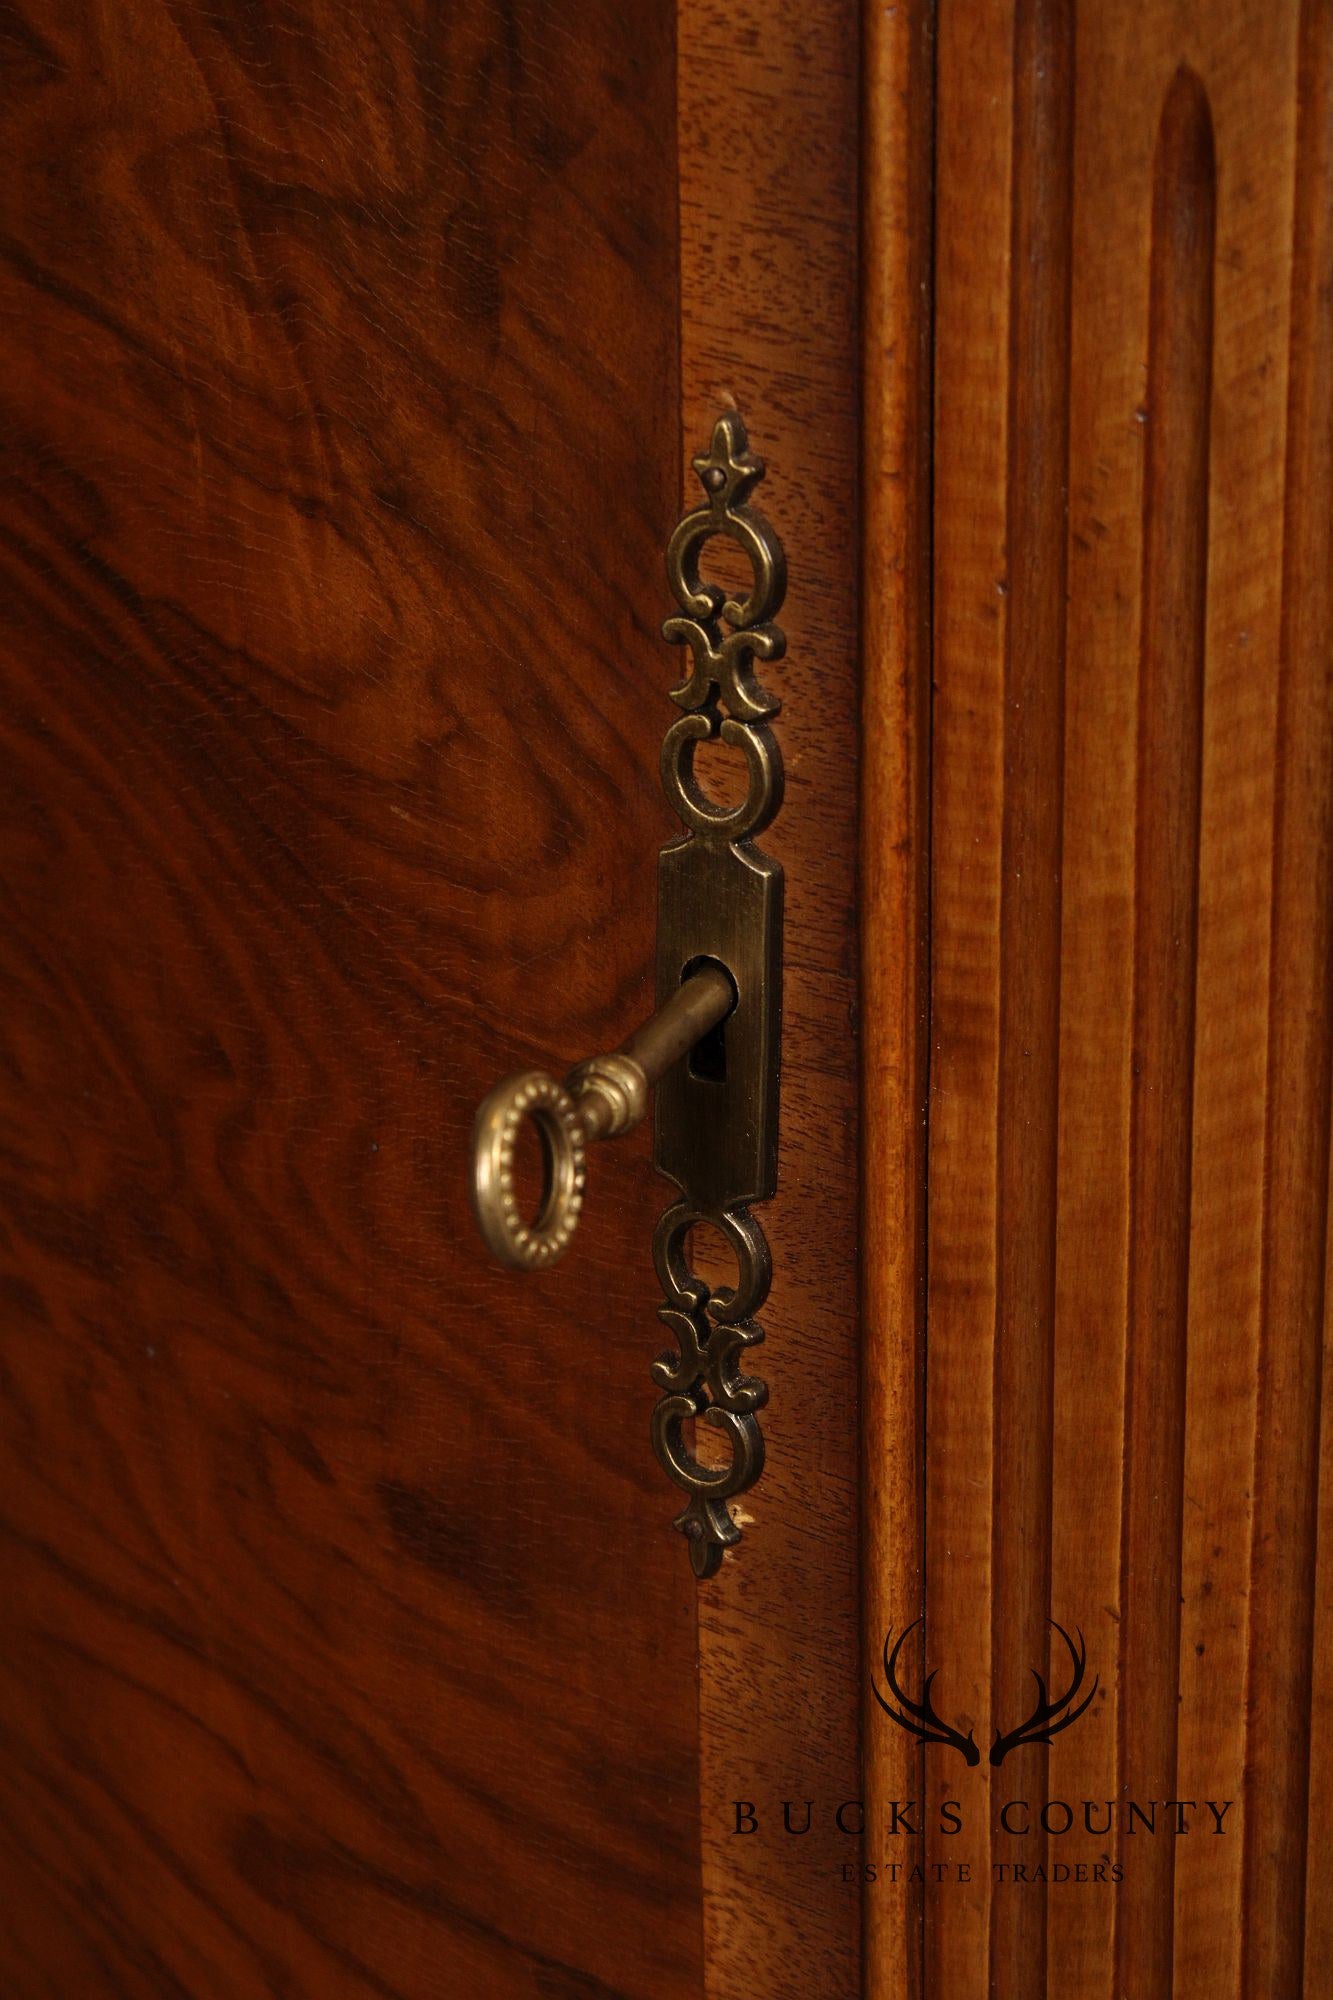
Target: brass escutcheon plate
719	899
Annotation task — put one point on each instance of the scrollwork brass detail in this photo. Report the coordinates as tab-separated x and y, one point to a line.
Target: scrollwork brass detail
720	899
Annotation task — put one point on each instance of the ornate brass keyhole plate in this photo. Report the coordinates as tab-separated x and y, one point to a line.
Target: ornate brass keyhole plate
719	989
720	898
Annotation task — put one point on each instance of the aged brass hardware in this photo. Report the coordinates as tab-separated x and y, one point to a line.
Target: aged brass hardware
600	1099
719	897
719	989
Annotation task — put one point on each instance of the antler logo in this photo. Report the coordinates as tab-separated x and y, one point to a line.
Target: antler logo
927	1726
1047	1719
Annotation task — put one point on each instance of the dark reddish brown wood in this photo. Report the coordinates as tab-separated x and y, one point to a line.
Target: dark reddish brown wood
348	1648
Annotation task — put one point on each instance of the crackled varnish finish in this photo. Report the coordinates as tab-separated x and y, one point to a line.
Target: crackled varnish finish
1126	1163
347	1648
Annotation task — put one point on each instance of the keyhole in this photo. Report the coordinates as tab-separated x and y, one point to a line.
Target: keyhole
708	1057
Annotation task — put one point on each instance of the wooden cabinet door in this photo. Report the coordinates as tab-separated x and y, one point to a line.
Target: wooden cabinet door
350	365
352	362
1099	1466
342	421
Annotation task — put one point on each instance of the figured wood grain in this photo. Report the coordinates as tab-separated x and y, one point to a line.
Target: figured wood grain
966	789
1308	773
1129	782
1287	1846
767	107
1027	1107
348	1649
1166	919
897	152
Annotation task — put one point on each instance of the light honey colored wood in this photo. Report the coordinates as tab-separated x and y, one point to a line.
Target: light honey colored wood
1129	986
767	114
898	140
